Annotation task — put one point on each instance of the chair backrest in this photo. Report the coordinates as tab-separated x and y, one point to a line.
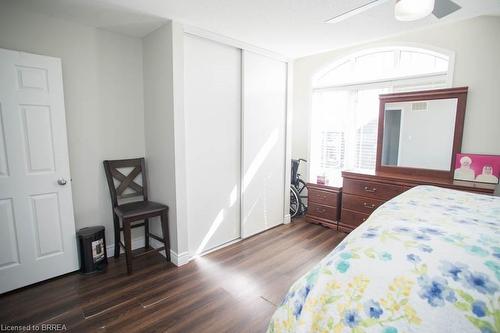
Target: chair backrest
124	182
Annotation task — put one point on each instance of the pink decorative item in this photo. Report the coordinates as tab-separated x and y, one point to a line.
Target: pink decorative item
321	180
477	168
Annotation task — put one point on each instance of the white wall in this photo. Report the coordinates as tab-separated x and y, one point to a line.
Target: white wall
477	65
159	121
164	131
181	227
102	74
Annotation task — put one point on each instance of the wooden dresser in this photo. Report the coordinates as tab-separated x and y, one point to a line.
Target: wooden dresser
324	202
364	191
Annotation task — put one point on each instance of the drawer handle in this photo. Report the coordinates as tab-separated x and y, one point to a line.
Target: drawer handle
322	196
371	190
320	210
367	205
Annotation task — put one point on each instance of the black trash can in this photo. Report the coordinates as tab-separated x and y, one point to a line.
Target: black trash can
92	246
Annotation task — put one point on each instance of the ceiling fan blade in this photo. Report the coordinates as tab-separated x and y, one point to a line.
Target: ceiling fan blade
444	8
355	11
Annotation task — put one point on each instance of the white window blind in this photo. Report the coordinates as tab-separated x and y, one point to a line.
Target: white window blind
344	131
366	110
366	145
332	150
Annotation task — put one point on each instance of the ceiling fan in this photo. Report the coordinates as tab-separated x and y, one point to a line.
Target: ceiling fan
406	10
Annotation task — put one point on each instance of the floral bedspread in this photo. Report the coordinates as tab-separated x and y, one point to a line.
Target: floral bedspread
426	261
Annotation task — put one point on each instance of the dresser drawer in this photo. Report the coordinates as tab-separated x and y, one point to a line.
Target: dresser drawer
369	189
352	219
360	204
323	212
322	197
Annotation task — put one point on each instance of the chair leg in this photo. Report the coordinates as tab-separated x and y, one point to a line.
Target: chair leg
116	223
166	237
128	245
146	233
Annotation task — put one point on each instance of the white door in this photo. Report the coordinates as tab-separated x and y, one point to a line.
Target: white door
264	123
37	228
212	109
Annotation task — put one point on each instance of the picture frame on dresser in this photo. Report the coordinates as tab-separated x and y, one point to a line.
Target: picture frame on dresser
479	168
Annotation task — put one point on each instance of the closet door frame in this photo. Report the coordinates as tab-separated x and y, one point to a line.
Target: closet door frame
190	30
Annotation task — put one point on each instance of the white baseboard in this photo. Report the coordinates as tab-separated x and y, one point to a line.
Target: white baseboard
179	259
137	243
217	248
287	219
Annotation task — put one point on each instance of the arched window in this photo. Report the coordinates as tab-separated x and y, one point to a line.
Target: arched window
345	102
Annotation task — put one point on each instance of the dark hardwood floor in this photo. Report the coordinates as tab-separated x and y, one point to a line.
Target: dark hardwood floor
235	289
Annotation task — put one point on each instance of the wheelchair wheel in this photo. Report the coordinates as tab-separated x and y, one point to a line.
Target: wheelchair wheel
302	190
295	204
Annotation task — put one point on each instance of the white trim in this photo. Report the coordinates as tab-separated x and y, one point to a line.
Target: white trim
242	142
176	259
181	208
179	259
232	42
234	241
287	219
451	69
137	243
309	141
288	141
410	79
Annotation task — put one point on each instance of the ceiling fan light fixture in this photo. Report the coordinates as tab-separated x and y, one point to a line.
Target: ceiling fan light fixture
412	10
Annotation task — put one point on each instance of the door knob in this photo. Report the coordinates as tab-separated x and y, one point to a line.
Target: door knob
61	181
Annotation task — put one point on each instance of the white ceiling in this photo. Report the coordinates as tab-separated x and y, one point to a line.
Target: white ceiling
293	28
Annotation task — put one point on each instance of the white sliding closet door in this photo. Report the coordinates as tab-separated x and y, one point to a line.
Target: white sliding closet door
264	120
212	107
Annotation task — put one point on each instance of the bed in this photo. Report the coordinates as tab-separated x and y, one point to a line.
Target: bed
426	261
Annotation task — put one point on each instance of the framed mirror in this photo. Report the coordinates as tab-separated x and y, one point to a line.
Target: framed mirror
420	133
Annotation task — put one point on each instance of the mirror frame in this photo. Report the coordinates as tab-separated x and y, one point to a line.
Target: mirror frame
459	93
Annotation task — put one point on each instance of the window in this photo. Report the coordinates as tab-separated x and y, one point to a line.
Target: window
379	65
344	120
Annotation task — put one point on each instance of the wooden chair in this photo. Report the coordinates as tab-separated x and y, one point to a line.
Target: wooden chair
126	213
